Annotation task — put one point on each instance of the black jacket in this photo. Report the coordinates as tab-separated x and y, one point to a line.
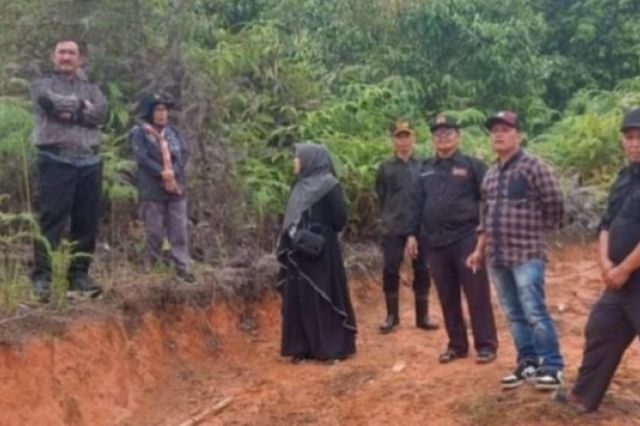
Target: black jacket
622	220
56	93
445	201
394	181
149	161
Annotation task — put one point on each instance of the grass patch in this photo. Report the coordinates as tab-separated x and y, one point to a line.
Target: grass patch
522	407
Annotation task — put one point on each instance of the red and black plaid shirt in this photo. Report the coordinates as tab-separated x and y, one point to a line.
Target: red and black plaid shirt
520	199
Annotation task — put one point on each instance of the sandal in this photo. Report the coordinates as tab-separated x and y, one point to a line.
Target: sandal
450	355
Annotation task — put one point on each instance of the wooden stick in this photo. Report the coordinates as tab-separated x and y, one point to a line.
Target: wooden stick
211	411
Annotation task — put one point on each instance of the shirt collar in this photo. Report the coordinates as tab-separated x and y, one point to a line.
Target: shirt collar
634	170
455	157
409	160
514	158
73	78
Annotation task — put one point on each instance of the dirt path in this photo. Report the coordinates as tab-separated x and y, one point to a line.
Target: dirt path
365	390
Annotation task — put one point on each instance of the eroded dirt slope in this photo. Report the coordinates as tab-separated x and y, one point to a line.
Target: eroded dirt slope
167	367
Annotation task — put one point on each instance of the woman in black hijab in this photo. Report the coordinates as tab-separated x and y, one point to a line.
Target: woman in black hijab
317	317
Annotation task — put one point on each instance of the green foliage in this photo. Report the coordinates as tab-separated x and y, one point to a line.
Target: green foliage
585	142
478	53
15	125
116	168
592	44
61	257
252	77
15	230
14	286
16	151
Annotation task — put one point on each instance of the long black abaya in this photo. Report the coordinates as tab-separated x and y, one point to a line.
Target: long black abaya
318	321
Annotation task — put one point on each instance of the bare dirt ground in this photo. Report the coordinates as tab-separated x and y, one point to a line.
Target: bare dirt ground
164	370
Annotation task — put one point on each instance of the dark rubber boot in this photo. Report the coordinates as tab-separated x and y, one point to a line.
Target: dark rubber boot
392	320
422	314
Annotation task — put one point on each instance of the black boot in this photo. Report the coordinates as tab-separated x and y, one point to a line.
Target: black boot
81	286
392	320
422	314
42	288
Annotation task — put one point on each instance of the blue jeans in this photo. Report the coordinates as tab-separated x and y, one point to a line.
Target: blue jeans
521	292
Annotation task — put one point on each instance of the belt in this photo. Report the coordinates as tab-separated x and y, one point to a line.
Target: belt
68	151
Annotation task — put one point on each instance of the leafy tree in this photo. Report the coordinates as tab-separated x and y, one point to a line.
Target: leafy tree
591	43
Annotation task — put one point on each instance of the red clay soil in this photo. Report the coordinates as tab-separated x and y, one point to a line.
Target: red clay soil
171	366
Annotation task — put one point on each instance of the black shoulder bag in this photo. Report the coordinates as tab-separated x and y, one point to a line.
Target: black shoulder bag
307	238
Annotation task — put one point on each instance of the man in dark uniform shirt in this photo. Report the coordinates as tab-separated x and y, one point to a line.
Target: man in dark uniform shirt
445	209
394	181
614	321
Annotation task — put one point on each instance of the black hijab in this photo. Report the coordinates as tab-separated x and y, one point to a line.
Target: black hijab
316	179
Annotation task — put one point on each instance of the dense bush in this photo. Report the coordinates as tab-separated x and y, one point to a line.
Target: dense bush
252	77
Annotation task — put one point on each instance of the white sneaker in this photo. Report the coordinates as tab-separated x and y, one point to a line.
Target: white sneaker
525	372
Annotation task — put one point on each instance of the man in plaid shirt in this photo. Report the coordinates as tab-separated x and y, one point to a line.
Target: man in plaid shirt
521	199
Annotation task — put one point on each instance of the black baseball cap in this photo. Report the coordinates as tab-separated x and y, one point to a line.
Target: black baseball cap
509	118
631	120
148	102
401	126
443	120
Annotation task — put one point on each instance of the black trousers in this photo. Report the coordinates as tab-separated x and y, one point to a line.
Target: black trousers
67	193
451	277
614	322
393	254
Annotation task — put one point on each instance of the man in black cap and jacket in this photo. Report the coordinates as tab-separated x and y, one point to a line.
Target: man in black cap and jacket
445	210
394	181
614	321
